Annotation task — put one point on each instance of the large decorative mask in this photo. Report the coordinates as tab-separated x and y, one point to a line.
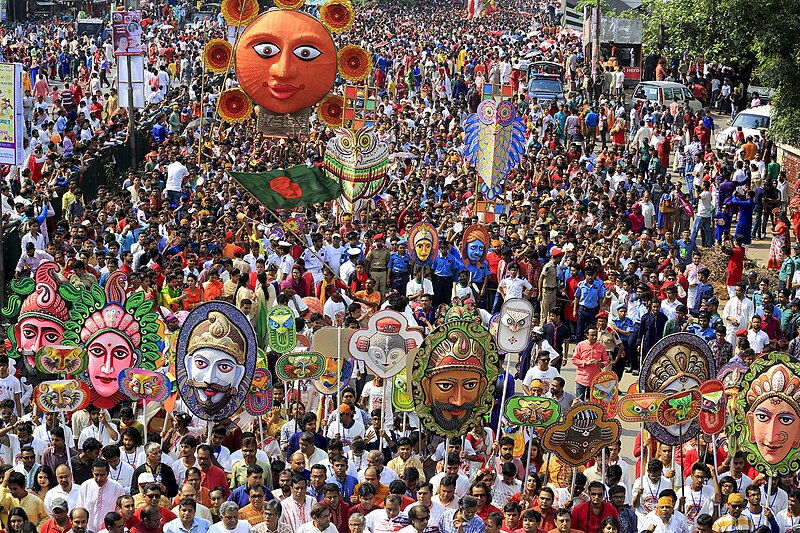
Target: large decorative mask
453	377
713	411
766	420
39	314
281	333
514	328
332	381
676	363
423	243
116	329
216	360
581	433
401	395
475	245
494	141
640	407
604	391
259	398
385	344
300	366
61	396
61	360
679	408
532	411
285	61
359	161
141	384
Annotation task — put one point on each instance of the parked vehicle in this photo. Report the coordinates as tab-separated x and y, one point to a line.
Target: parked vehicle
545	88
666	92
751	120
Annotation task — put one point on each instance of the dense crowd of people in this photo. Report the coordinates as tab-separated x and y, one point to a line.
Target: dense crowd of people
605	227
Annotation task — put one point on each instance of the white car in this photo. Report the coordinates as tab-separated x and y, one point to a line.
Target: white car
751	120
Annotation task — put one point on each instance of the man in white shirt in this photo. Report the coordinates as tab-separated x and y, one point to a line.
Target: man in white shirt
99	494
758	339
737	312
99	427
425	500
121	471
462	481
176	173
699	496
789	518
513	286
297	509
389	519
320	521
664	519
65	488
230	523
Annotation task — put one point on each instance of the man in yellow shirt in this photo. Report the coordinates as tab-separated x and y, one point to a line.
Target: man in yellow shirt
405	460
32	504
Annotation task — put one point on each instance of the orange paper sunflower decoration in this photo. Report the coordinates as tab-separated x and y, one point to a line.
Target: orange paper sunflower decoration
217	55
235	105
337	15
354	63
239	12
289	4
330	109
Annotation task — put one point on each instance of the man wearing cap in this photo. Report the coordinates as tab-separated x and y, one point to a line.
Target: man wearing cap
663	519
349	267
311	257
548	282
347	427
734	521
285	260
445	265
378	264
611	341
60	521
399	268
589	296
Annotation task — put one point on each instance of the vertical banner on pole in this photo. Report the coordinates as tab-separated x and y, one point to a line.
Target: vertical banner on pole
11	114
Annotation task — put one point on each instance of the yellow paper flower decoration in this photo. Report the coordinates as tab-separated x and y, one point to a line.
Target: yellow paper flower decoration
337	15
330	110
355	63
289	4
217	55
239	12
235	105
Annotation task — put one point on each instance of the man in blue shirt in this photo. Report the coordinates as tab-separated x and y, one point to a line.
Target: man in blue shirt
444	266
399	263
160	130
591	121
187	522
623	326
588	297
704	290
703	327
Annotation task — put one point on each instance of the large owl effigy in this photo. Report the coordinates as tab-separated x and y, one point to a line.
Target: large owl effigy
359	161
495	140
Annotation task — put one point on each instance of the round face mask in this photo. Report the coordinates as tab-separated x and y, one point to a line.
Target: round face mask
286	61
109	353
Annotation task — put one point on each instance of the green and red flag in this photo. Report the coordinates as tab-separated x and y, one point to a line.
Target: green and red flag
290	188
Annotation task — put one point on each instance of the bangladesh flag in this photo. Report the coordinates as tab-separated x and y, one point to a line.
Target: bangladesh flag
287	189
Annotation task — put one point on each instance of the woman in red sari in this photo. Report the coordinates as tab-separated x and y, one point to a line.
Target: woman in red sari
780	238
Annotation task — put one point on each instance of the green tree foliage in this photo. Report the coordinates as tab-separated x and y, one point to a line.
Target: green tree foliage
761	36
